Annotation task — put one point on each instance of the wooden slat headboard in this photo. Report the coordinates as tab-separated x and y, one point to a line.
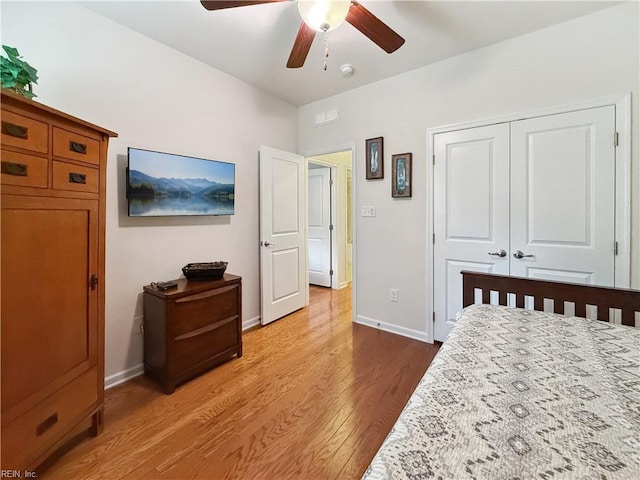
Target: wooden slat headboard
603	298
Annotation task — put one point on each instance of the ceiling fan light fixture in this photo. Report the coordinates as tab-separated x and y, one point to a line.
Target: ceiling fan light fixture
323	15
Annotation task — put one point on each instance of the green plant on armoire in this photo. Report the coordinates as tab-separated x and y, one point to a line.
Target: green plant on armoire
16	74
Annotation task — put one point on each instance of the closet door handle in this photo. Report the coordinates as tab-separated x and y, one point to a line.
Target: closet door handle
519	254
499	253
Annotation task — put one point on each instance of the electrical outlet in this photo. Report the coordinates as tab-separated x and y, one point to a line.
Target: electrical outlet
138	323
393	294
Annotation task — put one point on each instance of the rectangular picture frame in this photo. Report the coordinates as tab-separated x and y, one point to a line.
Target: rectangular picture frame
401	175
375	158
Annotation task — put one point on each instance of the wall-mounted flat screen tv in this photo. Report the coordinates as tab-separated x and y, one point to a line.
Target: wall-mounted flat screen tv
164	184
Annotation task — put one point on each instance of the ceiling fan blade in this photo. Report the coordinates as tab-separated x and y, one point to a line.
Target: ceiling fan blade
374	28
301	46
220	4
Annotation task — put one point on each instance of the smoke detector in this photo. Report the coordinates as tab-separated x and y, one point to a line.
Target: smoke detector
347	70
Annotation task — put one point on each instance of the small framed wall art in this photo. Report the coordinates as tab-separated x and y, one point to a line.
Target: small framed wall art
375	158
401	175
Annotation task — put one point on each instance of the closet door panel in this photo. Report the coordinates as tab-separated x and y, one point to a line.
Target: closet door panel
562	196
471	213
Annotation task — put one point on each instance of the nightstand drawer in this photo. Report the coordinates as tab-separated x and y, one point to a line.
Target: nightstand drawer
67	176
75	146
28	435
23	170
199	345
24	132
197	311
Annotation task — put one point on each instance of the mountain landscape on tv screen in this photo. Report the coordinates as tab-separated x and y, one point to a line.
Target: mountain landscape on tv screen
151	196
141	183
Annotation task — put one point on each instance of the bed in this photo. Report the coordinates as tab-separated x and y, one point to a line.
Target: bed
520	393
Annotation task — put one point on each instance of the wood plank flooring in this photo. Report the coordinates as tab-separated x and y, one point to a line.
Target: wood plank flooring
312	397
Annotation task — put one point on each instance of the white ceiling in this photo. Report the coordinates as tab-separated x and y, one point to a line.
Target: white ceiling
253	43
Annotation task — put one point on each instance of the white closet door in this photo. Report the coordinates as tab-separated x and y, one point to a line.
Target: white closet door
563	196
471	213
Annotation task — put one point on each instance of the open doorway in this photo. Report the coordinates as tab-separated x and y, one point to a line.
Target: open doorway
330	216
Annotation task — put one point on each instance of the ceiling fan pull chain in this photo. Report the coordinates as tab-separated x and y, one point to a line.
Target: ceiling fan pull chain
326	49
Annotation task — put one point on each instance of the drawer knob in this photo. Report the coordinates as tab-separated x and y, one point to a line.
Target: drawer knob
77	178
47	424
12	168
14	130
78	147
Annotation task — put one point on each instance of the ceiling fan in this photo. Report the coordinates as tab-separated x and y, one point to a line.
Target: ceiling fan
322	16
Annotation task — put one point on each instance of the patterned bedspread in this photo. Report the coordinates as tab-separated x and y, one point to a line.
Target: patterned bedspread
518	394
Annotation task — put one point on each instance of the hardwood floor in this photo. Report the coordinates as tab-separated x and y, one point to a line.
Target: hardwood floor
313	397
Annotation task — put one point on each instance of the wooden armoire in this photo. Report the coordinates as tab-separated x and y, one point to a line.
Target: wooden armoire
52	272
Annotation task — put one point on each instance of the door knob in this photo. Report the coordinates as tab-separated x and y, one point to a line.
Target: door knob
519	254
499	253
269	244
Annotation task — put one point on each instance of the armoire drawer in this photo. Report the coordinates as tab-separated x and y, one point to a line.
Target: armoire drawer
24	170
74	146
68	176
24	132
30	434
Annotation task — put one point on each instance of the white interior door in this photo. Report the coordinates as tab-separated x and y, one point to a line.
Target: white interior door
283	264
319	233
563	197
471	213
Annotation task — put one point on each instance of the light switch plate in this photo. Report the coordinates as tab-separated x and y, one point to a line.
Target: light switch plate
368	211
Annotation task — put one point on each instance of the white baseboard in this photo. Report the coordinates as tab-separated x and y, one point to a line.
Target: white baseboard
123	376
388	327
252	322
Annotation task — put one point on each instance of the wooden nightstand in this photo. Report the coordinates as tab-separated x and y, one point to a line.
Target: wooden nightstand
191	328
